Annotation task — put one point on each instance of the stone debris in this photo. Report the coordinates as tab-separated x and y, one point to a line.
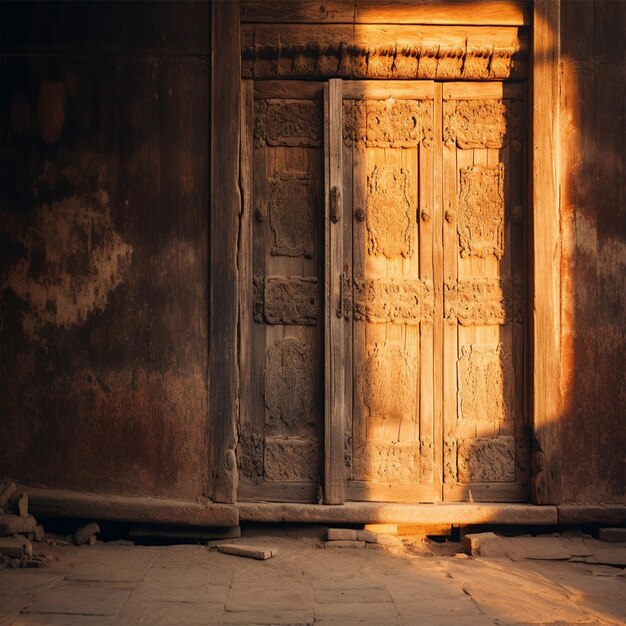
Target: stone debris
341	534
84	534
612	535
338	543
251	552
348	538
18	529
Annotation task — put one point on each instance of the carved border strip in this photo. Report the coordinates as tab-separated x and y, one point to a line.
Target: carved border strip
398	301
484	301
286	300
388	61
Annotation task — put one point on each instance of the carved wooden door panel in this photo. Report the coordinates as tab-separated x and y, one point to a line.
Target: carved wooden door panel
485	432
392	271
281	414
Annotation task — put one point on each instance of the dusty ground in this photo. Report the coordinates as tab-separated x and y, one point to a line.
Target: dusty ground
308	584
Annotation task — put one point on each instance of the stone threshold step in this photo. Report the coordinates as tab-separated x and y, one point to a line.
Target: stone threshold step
395	513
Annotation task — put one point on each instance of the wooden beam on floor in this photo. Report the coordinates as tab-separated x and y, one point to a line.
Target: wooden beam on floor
141	509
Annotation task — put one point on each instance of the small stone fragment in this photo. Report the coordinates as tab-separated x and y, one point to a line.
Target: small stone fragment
388	540
366	535
338	543
19	503
39	533
14	563
32	563
341	534
473	541
16	547
612	535
261	554
84	533
14	524
6	492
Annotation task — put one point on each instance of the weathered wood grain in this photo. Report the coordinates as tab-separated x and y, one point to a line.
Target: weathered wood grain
546	480
225	216
334	333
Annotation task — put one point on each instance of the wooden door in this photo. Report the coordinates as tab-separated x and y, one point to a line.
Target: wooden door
392	268
485	427
280	430
382	263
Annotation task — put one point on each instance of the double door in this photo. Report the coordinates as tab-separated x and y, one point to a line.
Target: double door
382	292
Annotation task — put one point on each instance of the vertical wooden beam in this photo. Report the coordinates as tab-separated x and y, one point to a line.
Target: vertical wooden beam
334	322
225	213
545	288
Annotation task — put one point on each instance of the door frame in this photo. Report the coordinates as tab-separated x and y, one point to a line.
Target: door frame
544	253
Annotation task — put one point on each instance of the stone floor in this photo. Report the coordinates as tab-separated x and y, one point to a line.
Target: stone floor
305	583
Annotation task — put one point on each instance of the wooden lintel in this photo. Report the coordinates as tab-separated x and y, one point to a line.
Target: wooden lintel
390	513
138	509
576	514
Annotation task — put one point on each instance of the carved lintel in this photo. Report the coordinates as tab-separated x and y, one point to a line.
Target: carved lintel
481	211
486	460
485	383
388	123
292	212
484	301
382	300
389	218
289	385
377	459
291	459
395	59
287	123
286	300
483	123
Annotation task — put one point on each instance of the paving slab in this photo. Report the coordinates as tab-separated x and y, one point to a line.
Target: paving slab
79	598
303	584
160	613
52	619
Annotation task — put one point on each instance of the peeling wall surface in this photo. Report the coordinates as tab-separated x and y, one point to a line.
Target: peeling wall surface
593	239
104	246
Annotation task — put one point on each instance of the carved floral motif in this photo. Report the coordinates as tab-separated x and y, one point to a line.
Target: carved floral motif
250	455
390	60
483	123
377	459
291	459
292	214
389	224
481	211
486	460
387	382
388	123
291	300
289	384
384	300
484	301
485	383
287	123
